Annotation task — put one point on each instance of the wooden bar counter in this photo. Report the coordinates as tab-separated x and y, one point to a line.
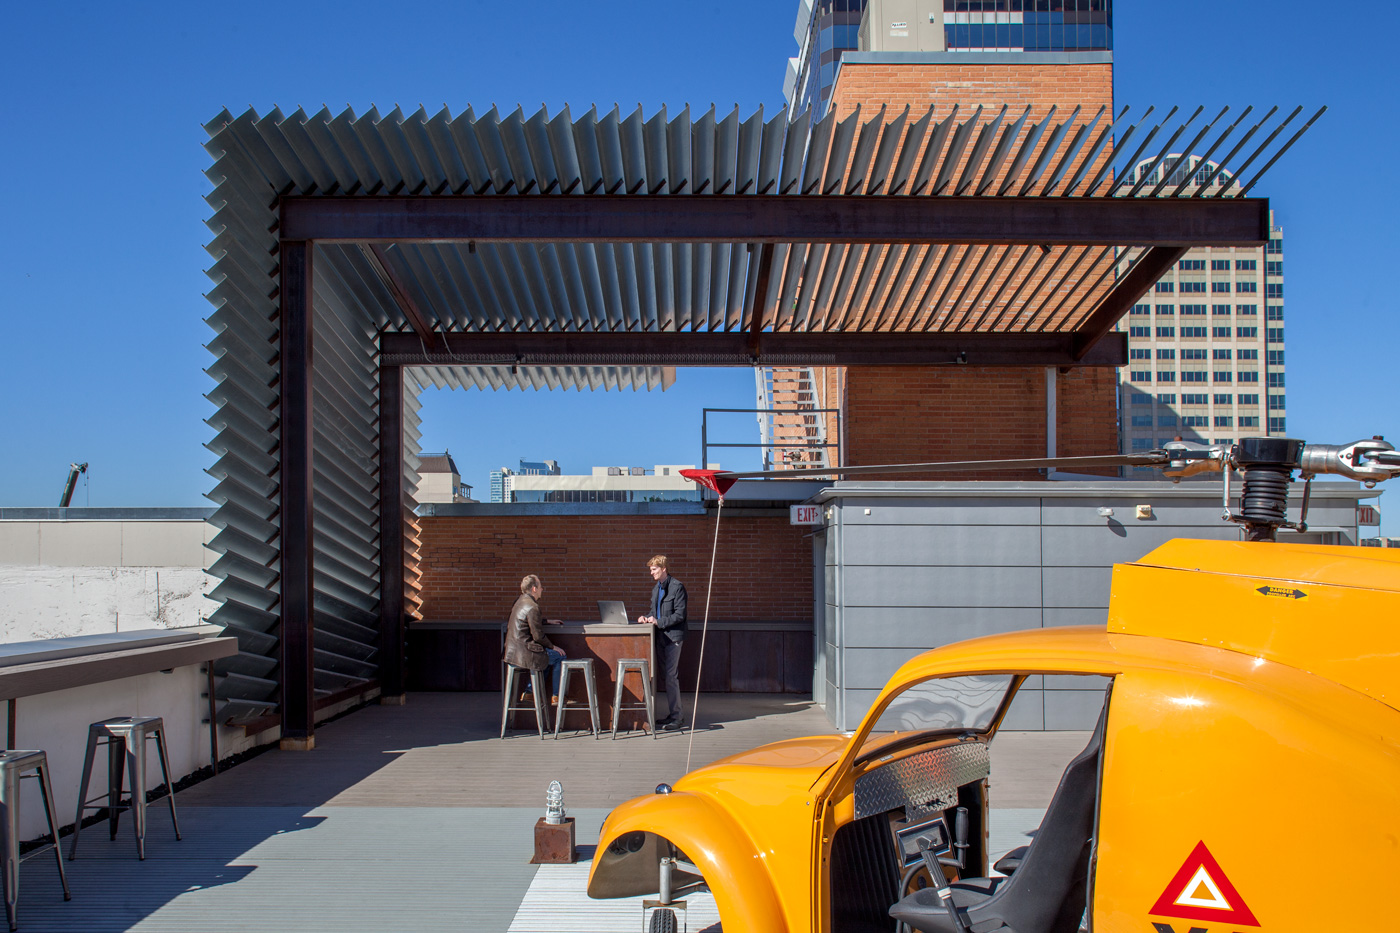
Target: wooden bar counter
466	655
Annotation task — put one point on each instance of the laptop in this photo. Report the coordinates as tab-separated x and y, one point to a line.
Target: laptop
612	611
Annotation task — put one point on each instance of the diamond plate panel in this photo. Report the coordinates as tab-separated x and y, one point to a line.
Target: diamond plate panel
928	780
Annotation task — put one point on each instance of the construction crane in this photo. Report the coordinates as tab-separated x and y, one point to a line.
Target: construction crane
73	470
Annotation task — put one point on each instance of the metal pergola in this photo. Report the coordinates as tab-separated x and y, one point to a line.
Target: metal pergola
359	259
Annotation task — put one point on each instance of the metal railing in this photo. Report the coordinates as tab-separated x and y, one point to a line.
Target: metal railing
780	453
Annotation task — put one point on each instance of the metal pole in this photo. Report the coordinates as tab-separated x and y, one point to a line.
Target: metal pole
391	537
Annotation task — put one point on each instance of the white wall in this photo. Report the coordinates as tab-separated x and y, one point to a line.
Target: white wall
60	578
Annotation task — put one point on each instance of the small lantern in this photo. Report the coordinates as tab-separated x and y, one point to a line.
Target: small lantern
554	804
554	832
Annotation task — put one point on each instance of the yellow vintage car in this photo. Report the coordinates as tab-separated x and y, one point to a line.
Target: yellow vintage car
1244	773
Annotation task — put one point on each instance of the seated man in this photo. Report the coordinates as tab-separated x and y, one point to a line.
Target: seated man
526	644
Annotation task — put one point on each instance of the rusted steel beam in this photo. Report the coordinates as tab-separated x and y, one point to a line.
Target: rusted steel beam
391	533
733	349
782	219
760	295
1150	267
374	254
297	635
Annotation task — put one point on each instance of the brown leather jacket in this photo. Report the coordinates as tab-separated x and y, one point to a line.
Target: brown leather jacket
525	639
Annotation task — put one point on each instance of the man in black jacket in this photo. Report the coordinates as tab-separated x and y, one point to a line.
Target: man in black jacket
668	615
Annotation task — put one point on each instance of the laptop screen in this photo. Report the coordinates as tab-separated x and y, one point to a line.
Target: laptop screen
612	611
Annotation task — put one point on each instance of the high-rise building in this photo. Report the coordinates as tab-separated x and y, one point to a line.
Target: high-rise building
827	29
1206	344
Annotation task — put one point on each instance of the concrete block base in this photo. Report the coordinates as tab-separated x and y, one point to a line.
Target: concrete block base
554	843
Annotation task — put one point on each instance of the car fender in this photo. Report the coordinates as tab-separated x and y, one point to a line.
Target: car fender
733	867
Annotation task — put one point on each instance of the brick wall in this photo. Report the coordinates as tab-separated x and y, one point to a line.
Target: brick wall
904	414
945	84
472	566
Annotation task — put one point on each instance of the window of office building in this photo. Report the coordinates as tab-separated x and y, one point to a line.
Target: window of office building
1278	425
1246	354
1193	288
1220	332
1192	265
1141	398
1247	286
1220	310
1142	421
1219	287
1276	403
1166	309
1142	309
1019	25
1249	421
1166	375
1276	380
1140	375
1164	287
1193	332
1166	332
1275	335
1194	353
1248	332
1273	313
1139	332
1195	421
1142	443
1220	354
1247	399
1166	398
1223	375
1220	265
1273	290
1194	399
1245	265
1139	353
1224	421
1273	268
1193	377
1166	421
1223	399
1166	353
1192	310
1275	358
1274	248
1248	375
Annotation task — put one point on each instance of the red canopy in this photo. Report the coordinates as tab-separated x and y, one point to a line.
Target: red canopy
718	480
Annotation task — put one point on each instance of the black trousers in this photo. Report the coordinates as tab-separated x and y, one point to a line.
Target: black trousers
670	669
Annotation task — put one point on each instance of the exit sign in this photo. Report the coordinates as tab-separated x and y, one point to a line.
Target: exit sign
805	514
1365	515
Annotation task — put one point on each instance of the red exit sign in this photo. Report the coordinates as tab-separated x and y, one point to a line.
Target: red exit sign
806	514
1368	515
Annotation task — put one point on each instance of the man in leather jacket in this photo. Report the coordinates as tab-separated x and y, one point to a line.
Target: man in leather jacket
668	615
526	643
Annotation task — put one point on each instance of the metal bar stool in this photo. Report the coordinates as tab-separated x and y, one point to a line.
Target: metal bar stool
13	765
643	667
513	688
126	735
585	665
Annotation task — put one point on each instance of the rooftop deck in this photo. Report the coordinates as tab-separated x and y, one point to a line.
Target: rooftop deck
420	818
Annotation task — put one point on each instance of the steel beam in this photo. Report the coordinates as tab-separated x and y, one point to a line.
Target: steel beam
760	295
1185	222
375	255
1150	267
735	348
296	584
391	533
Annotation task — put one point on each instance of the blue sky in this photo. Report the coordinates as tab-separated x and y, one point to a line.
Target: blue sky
101	260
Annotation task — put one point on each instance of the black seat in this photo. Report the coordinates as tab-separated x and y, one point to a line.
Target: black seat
1047	892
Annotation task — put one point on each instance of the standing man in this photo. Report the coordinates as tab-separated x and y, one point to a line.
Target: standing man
526	644
668	615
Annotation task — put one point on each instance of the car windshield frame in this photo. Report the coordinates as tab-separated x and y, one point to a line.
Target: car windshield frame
871	741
